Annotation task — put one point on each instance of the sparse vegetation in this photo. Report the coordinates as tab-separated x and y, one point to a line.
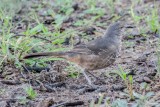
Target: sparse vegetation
73	71
31	94
128	80
152	20
110	5
59	25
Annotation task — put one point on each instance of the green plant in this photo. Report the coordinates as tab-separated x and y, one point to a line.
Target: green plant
2	91
73	71
127	79
83	22
122	74
92	104
56	38
135	17
22	99
59	20
11	7
91	3
110	5
96	11
129	43
136	2
130	87
143	100
11	45
153	20
107	103
92	9
119	103
31	94
5	38
65	6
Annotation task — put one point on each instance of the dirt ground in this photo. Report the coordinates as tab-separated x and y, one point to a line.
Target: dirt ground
55	88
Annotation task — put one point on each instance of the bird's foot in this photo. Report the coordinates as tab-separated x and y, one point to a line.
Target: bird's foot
88	88
97	78
89	80
93	86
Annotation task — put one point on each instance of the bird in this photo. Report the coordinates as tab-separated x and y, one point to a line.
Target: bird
94	55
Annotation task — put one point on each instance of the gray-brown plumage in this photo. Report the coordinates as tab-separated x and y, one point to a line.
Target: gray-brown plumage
96	54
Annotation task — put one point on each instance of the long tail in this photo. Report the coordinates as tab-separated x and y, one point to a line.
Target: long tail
55	54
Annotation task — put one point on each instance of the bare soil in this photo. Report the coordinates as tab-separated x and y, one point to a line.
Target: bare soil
54	87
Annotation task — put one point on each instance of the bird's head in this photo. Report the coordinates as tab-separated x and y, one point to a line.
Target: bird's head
114	29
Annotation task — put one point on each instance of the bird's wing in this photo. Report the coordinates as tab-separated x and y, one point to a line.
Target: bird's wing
82	48
99	45
93	47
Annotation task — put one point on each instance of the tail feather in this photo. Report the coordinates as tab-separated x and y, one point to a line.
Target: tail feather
34	55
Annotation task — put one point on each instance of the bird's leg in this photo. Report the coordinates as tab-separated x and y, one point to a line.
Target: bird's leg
87	78
95	77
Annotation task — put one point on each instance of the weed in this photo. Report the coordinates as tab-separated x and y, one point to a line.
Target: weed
22	99
142	99
11	7
11	47
136	2
5	38
110	5
128	81
122	74
31	94
143	86
59	20
83	22
96	11
92	9
65	6
130	87
153	21
135	17
92	104
73	74
73	71
116	103
119	103
91	3
129	43
58	38
2	91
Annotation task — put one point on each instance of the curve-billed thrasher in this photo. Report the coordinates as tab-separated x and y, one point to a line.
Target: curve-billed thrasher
96	54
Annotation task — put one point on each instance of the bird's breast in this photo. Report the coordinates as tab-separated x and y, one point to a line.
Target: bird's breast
94	62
